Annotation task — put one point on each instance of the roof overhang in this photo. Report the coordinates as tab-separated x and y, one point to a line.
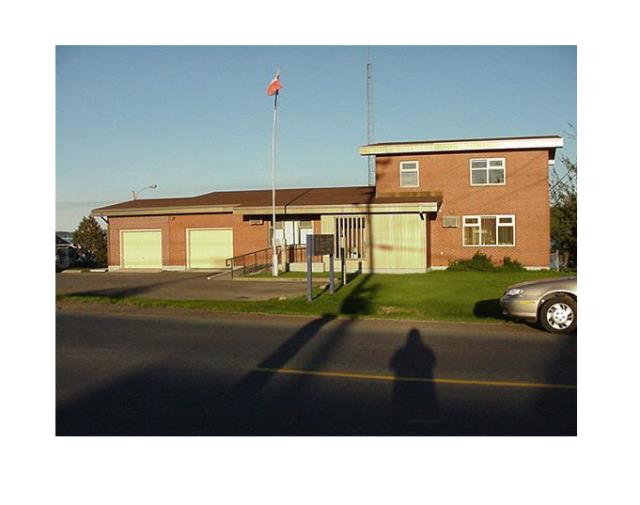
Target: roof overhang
363	208
551	142
155	211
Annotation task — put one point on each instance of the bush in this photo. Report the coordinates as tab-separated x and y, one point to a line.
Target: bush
509	265
480	262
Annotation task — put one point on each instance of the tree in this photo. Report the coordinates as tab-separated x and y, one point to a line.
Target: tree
563	193
92	241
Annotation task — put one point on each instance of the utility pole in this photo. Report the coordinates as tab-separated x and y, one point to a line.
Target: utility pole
371	166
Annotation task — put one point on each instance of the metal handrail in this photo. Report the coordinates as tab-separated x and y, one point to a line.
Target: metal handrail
299	253
294	252
232	262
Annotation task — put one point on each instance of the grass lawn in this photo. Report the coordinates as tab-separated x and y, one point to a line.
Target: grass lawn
442	295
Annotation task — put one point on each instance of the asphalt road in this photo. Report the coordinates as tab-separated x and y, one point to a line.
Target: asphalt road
120	374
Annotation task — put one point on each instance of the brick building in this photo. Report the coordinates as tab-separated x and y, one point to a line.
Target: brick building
433	202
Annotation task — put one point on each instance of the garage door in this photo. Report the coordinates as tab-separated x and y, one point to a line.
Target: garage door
210	248
142	249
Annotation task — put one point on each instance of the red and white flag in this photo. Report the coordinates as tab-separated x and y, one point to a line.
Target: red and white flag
274	86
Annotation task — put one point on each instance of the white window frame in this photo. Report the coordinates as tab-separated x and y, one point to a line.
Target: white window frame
488	160
498	225
402	169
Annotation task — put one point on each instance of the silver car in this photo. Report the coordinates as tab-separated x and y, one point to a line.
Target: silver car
551	302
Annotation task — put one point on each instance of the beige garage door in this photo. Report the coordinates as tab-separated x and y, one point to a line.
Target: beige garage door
142	249
210	248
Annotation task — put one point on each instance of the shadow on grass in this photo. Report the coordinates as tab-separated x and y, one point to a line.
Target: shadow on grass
360	300
488	308
351	277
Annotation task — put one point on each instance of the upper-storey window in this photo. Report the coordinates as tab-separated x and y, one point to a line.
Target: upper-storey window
409	174
488	172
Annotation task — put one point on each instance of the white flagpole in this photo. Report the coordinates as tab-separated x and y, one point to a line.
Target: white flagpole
273	187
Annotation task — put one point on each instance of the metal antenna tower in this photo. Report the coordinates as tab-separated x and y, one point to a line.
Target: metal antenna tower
371	165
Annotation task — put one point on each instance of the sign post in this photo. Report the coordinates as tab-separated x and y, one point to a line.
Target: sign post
332	285
310	244
319	245
343	261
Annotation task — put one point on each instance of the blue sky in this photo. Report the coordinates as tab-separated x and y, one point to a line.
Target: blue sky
197	119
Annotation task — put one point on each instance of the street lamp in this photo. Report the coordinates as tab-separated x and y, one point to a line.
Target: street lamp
136	193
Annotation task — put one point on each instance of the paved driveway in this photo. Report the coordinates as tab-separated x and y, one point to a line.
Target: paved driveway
173	285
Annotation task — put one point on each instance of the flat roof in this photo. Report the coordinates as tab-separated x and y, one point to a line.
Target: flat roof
228	201
462	145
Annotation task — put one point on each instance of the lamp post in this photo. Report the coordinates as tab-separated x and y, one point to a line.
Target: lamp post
136	193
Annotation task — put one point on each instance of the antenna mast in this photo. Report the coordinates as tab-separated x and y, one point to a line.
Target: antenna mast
371	166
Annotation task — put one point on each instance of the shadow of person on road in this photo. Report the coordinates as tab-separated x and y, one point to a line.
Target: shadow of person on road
414	394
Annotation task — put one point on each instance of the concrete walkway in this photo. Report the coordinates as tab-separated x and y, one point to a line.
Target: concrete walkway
173	286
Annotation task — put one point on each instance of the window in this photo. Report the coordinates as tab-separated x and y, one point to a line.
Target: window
350	236
409	174
488	231
304	228
279	232
291	232
488	172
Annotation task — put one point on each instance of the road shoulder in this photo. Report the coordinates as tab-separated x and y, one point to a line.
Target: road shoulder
88	308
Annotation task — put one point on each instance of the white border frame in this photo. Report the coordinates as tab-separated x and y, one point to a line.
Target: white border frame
488	160
497	216
187	248
122	231
400	169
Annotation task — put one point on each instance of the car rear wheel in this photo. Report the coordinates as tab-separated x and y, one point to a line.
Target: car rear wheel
559	315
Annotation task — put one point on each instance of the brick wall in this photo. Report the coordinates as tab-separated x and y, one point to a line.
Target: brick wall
525	195
246	237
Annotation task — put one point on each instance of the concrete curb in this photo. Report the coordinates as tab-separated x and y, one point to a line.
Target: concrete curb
277	279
